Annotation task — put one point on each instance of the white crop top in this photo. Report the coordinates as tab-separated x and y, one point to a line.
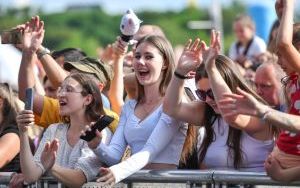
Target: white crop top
254	151
157	139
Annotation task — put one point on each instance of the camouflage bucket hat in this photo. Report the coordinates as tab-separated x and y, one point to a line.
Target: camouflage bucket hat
99	69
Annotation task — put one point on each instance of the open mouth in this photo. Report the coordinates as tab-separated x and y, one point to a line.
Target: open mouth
143	73
62	103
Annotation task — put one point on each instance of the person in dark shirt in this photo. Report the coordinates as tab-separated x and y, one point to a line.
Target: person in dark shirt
9	134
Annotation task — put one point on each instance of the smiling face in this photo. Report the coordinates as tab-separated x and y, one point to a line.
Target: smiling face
148	64
70	97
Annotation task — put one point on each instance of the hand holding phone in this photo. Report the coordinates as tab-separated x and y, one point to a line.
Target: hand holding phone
13	36
29	99
100	124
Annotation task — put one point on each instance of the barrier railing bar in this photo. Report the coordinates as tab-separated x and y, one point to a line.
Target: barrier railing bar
188	177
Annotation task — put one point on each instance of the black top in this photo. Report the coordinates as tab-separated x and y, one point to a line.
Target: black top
14	165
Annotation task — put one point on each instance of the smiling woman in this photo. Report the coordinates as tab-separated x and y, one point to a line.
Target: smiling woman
155	139
61	152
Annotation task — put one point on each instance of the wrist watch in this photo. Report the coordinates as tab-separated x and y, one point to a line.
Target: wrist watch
42	51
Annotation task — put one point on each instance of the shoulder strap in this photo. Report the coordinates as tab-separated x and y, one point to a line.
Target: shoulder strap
238	45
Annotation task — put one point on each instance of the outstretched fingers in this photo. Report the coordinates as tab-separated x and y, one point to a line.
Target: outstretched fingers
195	45
188	44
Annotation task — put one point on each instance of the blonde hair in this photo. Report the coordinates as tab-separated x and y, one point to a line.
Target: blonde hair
245	20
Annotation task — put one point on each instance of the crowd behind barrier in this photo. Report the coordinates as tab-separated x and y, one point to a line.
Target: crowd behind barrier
174	179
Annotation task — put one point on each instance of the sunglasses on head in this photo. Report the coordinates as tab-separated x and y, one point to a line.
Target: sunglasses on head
202	94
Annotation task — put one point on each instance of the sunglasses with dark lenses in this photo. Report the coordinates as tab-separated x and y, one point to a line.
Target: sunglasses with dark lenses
202	94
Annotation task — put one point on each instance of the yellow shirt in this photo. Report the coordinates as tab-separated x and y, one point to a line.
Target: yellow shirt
50	114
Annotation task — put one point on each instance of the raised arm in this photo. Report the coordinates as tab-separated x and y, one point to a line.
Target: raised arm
251	125
284	41
32	172
54	71
116	90
245	103
173	104
32	38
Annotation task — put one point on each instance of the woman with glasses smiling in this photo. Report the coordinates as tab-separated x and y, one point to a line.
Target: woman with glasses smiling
61	152
235	142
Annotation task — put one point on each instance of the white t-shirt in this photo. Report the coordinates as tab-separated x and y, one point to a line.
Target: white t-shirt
157	139
257	47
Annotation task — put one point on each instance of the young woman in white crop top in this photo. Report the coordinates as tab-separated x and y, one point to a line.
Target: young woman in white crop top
154	137
226	139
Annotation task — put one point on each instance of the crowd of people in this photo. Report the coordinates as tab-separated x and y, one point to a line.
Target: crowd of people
241	112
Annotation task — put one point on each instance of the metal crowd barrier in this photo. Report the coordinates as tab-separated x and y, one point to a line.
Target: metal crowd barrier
174	179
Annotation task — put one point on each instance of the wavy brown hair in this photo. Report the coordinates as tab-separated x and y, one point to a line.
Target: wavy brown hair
9	107
89	87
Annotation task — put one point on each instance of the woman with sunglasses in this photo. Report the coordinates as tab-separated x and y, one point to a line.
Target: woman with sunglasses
235	142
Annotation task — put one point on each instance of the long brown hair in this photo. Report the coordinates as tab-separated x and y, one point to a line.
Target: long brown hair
233	79
166	50
10	108
89	87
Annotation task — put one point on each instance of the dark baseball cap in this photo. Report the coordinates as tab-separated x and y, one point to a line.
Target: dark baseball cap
103	72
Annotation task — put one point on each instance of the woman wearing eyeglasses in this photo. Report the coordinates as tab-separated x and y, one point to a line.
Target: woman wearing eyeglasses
61	152
235	142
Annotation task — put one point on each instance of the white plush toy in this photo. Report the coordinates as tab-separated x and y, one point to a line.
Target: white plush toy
130	24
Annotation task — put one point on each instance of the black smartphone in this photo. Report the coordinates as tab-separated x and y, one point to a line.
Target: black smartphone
100	124
13	36
189	93
29	99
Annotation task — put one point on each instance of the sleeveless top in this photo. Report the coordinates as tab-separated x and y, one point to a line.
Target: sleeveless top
254	151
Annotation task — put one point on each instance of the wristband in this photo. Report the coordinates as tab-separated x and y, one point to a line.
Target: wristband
42	51
180	76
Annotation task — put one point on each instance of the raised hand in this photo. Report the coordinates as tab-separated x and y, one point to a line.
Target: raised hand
279	8
191	57
241	103
106	54
214	49
107	177
33	34
120	48
25	118
49	154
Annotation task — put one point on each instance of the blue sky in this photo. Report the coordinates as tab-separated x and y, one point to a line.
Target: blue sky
119	6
